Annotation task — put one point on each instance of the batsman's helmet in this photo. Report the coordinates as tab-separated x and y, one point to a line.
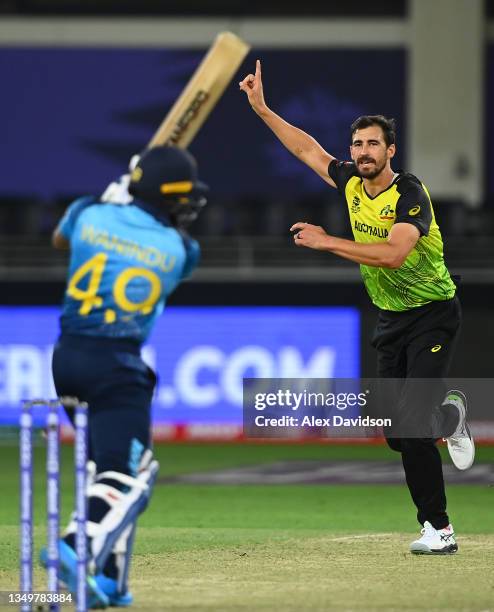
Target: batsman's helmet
167	176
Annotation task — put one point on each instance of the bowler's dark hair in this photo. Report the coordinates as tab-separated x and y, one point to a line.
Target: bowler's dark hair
388	126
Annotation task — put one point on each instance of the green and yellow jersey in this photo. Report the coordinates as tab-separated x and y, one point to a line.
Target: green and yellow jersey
423	277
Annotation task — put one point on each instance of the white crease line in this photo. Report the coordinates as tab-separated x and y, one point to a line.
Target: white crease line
361	537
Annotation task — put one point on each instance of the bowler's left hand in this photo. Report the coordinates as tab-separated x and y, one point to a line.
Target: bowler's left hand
311	236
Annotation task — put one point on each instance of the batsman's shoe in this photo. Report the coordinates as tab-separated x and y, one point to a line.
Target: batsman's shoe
110	587
461	446
435	541
67	574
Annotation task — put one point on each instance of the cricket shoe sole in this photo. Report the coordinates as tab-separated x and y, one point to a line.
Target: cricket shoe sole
461	446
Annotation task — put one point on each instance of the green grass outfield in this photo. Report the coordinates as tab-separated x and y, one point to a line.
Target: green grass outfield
281	547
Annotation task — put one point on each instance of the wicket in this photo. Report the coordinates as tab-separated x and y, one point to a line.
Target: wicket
53	496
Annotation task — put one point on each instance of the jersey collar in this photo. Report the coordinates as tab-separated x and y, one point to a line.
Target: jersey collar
393	182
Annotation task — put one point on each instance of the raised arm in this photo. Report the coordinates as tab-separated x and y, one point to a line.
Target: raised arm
303	146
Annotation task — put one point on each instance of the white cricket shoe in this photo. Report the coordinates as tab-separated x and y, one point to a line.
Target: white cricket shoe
435	541
461	446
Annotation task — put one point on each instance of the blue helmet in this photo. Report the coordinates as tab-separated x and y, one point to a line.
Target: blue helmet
167	176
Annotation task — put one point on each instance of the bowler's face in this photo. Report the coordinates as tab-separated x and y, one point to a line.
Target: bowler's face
369	151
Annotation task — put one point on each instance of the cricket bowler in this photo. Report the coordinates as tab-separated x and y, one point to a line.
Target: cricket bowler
398	245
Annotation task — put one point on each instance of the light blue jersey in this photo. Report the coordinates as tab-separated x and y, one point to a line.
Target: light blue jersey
124	263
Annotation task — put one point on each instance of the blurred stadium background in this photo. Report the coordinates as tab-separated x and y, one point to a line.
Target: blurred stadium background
84	85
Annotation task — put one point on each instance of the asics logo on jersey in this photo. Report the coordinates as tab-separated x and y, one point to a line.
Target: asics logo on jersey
414	211
436	348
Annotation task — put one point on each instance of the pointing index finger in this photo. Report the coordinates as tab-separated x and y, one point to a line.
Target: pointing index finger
258	68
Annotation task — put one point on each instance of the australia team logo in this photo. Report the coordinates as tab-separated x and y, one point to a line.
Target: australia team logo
387	213
355	208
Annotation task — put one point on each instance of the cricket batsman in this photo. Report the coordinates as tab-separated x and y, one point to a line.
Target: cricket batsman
128	251
398	245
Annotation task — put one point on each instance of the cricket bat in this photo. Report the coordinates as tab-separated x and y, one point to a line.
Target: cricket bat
202	92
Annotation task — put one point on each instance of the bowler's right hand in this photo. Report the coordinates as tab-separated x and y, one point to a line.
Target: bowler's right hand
252	85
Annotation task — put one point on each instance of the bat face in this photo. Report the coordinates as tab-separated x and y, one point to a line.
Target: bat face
202	92
189	115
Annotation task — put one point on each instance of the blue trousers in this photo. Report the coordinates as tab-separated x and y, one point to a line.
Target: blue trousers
118	386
